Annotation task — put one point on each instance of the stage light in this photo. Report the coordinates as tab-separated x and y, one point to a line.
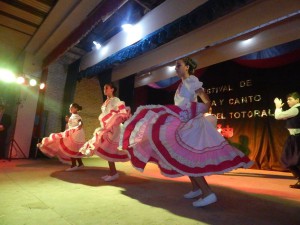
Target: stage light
97	44
32	82
7	76
134	33
247	42
171	68
20	80
42	86
127	27
104	51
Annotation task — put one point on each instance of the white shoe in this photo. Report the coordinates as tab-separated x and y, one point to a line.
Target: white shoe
111	178
104	177
212	198
80	167
72	169
193	194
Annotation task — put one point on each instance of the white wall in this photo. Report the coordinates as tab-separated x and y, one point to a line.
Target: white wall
56	80
25	122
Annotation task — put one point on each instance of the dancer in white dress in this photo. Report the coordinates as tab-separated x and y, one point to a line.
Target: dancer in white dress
180	140
65	145
106	138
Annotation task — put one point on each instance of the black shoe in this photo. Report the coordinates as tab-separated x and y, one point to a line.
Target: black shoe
297	185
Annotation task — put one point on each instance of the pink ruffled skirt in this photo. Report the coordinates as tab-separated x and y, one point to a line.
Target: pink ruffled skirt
64	145
105	141
180	141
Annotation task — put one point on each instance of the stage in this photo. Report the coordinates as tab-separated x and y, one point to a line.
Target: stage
39	191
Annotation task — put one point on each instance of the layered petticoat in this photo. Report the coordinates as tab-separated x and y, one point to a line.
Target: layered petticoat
64	145
105	140
180	141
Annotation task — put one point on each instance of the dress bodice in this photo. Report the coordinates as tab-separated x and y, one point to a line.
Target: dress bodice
109	108
109	105
186	91
74	121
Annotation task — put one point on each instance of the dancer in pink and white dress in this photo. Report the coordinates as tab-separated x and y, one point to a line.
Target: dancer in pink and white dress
180	140
65	145
106	138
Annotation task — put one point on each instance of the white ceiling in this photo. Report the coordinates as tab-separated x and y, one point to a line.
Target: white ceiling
34	35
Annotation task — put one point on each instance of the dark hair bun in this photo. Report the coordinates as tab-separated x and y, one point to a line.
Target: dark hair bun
78	107
191	63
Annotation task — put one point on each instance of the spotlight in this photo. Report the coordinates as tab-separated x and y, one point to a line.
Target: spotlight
32	82
7	75
247	42
134	33
42	86
127	27
97	44
20	80
171	68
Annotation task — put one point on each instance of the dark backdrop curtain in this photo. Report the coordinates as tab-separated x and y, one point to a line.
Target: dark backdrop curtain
126	91
243	98
104	78
70	87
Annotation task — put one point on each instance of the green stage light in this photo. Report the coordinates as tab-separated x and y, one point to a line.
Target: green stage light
7	76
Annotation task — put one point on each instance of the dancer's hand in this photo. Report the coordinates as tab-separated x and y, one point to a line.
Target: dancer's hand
278	103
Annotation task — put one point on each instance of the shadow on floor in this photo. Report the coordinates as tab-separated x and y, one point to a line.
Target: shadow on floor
233	207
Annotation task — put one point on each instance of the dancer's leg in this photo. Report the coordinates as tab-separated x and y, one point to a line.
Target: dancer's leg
73	165
80	163
208	197
203	185
112	168
194	184
73	160
113	175
196	190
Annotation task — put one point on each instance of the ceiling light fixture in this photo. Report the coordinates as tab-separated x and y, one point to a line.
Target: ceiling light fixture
127	27
97	44
247	42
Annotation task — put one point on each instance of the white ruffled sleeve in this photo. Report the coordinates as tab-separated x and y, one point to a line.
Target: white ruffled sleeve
194	83
114	102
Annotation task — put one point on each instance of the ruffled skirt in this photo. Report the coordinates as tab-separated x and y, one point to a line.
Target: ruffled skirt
180	141
64	145
105	141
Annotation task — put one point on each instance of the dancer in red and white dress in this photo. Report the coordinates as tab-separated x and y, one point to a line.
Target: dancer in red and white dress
65	145
105	140
180	140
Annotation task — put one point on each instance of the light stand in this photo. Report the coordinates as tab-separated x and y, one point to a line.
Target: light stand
13	142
